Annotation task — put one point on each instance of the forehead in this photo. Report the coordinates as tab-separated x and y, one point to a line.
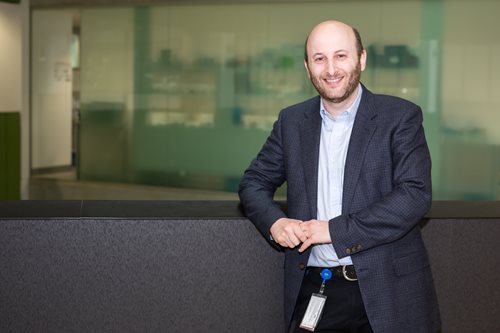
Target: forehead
331	38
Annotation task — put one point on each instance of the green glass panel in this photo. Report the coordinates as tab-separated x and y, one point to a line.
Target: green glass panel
469	126
185	95
106	96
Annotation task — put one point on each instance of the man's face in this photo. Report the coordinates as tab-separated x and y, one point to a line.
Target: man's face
334	65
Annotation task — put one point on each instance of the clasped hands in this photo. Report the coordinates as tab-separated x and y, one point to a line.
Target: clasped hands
290	233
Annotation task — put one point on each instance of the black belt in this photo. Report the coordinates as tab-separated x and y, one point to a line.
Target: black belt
347	272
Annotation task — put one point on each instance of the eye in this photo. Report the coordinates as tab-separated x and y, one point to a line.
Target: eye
341	56
319	59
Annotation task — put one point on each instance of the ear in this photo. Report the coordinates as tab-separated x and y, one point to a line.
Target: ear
362	60
307	68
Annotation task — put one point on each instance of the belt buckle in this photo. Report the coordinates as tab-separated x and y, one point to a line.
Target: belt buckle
344	272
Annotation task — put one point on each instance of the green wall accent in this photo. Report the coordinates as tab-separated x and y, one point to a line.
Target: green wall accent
10	156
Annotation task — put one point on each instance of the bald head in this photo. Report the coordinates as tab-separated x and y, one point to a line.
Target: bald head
334	61
327	27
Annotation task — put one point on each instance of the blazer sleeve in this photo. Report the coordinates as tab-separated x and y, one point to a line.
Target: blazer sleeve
260	181
395	213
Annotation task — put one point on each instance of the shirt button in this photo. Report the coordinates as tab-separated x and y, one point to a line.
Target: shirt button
302	266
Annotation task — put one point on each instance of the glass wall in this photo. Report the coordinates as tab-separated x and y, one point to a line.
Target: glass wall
51	89
185	95
470	101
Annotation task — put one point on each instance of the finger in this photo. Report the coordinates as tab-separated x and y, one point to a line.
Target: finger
301	232
281	240
305	245
290	243
274	236
284	240
296	233
294	239
303	237
307	233
292	231
284	243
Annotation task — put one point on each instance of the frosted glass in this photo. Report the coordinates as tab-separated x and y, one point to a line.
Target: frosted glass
185	95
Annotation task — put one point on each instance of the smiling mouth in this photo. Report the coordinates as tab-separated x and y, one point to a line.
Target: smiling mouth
334	80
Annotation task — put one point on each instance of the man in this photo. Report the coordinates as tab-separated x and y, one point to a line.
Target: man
357	168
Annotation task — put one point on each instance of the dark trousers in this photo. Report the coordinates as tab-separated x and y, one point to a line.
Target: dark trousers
344	311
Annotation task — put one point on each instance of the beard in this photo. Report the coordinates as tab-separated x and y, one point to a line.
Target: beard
352	83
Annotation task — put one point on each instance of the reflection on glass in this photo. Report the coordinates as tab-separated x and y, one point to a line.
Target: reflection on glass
185	95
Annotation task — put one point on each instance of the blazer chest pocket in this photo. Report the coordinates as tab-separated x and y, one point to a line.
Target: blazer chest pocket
411	263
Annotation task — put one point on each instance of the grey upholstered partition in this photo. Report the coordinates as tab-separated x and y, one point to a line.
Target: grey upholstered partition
193	267
465	260
83	274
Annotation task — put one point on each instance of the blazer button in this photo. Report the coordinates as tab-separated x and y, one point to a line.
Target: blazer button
302	266
359	247
348	251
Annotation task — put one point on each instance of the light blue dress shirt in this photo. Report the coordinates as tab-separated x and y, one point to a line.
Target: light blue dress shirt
335	135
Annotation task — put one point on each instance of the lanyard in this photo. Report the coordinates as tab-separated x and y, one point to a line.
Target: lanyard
326	274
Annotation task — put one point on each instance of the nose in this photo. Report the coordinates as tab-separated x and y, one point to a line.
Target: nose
330	67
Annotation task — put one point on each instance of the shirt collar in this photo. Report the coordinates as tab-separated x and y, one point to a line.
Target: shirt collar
350	112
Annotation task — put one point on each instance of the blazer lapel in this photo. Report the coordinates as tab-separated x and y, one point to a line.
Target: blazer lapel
361	134
310	135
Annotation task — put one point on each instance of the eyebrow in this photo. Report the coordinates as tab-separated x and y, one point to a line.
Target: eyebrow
336	52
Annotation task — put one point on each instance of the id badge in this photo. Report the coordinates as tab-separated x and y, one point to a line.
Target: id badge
316	305
313	312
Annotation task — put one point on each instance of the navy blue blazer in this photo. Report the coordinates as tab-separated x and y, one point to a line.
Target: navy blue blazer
386	191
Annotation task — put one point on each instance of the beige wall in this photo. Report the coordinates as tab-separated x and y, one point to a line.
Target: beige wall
11	30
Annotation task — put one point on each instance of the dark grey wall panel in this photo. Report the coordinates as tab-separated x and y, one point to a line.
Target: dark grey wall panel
121	267
465	259
138	276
